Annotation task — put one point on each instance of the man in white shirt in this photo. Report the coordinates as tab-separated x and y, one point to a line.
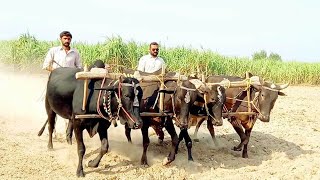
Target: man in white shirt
62	56
151	62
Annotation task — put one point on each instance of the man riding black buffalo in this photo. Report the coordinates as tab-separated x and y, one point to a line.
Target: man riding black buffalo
106	99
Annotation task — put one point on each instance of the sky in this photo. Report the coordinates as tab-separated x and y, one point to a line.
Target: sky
230	27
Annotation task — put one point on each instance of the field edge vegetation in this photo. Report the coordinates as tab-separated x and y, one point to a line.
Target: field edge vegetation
29	51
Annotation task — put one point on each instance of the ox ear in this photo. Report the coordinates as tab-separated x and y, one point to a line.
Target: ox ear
250	74
108	88
281	93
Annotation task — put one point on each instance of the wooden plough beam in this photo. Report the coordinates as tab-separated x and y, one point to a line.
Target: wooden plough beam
150	78
85	75
157	78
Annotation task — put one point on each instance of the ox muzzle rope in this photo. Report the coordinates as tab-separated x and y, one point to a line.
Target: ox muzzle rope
186	99
107	107
253	102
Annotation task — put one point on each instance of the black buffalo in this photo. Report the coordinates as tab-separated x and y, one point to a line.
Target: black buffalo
119	99
263	97
178	101
212	112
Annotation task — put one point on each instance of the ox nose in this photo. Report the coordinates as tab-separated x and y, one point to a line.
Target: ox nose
264	118
216	122
137	125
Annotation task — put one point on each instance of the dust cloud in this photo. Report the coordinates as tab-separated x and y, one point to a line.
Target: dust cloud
287	147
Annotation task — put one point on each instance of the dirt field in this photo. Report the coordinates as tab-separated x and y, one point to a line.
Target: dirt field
287	147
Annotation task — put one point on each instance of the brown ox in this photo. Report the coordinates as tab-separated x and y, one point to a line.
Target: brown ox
184	94
263	98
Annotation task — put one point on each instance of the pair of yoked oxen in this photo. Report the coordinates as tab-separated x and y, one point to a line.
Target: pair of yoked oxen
187	102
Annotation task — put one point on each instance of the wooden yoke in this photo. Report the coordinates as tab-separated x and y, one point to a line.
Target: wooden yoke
203	79
161	106
248	91
85	89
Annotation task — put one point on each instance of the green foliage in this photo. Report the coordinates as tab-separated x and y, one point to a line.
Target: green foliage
274	56
27	50
5	49
260	55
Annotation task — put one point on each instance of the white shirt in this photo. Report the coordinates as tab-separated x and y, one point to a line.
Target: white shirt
62	58
149	64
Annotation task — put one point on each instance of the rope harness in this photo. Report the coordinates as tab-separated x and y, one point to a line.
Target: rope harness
186	99
239	99
107	100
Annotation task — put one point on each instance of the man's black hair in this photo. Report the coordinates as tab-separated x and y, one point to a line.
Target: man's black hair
65	33
153	43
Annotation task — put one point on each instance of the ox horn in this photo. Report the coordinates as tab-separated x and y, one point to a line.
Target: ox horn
275	86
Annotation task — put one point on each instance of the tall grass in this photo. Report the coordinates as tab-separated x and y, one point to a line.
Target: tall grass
27	50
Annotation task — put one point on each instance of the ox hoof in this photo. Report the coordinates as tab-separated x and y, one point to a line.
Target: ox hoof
190	159
92	164
166	161
80	173
196	140
245	156
50	147
237	149
69	141
160	142
144	164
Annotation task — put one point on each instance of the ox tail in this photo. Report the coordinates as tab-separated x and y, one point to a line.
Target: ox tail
42	129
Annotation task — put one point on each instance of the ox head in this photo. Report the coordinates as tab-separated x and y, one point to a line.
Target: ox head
265	98
131	95
128	94
185	96
216	98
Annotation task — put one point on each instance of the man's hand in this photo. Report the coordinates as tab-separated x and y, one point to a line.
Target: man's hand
49	68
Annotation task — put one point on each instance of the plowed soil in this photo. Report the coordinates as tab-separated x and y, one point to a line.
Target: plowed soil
287	147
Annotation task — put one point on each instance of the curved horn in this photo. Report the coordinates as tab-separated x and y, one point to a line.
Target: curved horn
283	86
275	86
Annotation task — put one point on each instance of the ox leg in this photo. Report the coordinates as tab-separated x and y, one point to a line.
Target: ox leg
237	127
51	122
128	133
174	138
245	143
78	130
69	131
180	139
160	135
195	135
146	141
188	141
103	134
158	129
211	130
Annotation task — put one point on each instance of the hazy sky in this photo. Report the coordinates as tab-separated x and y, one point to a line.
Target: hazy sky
290	28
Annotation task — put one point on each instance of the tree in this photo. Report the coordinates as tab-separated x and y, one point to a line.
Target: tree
262	54
275	57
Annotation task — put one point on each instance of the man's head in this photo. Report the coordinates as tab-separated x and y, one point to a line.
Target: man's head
154	49
65	38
